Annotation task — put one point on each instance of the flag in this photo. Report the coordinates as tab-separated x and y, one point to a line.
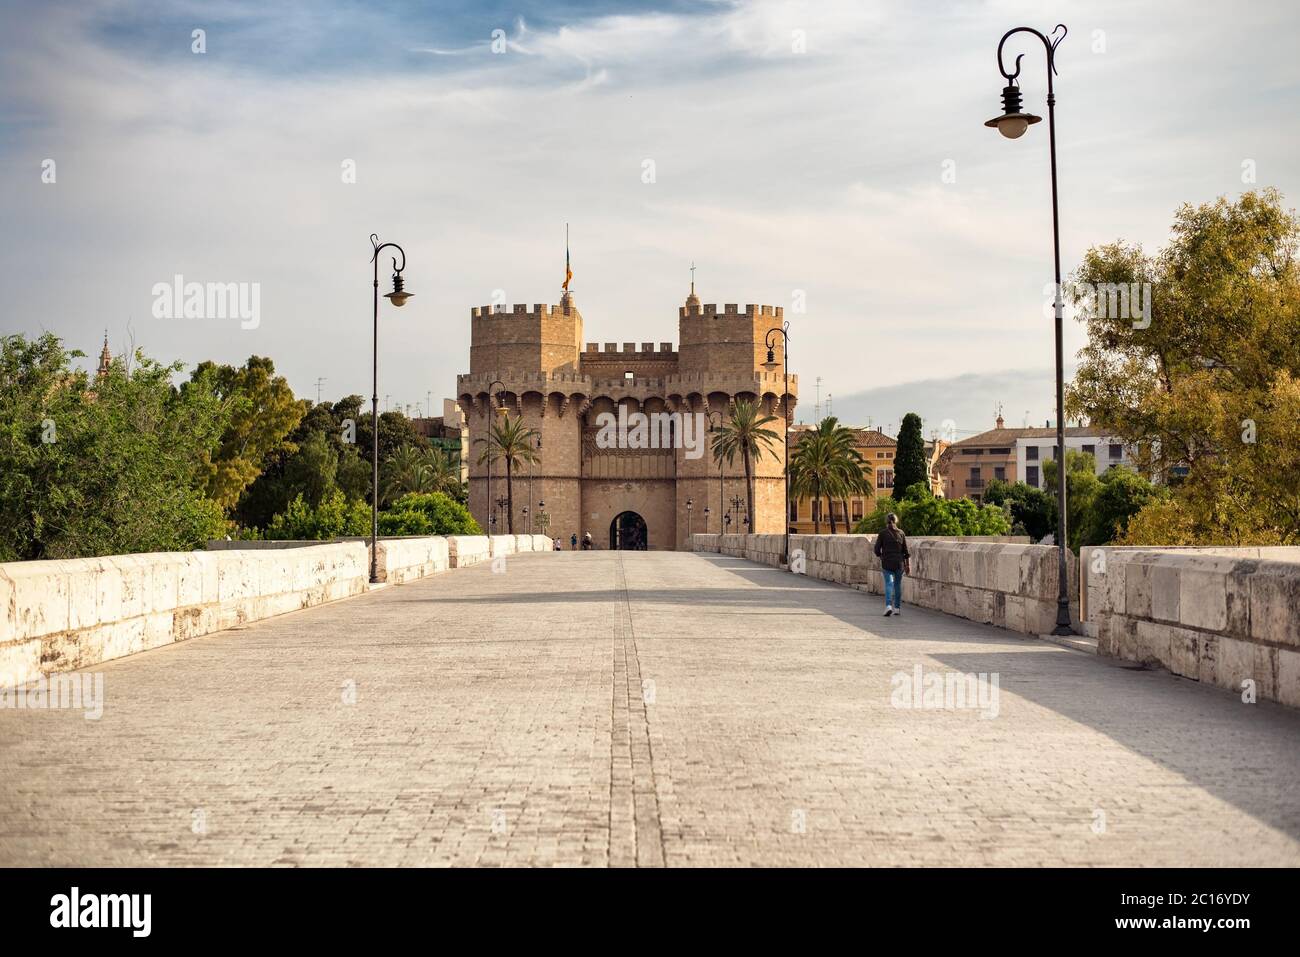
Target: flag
568	273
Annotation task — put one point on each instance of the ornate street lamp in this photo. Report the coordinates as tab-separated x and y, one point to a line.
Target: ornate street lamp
1012	124
690	504
398	298
706	520
770	365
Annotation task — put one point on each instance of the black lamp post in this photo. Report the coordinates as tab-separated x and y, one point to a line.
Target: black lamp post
398	298
770	365
1012	124
706	520
713	428
690	504
492	460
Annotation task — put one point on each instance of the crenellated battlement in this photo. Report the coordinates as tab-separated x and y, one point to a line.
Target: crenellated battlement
664	350
751	311
521	311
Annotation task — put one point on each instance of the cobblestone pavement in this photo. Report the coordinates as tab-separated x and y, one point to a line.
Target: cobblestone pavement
640	708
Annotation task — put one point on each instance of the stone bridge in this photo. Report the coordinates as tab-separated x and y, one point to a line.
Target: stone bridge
509	706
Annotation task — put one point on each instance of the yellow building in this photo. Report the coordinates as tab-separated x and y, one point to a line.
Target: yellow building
877	451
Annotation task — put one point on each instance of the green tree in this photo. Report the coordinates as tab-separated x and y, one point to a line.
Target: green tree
1031	510
262	413
920	512
1210	385
434	513
746	434
105	466
1121	495
424	469
334	517
1081	487
910	464
510	442
825	462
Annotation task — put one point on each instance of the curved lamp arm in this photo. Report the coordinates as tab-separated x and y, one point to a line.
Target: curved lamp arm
1049	46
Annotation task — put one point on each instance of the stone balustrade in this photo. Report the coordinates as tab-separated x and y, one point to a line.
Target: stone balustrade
75	613
1224	616
60	615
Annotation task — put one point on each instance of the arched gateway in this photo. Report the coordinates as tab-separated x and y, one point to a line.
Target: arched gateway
628	532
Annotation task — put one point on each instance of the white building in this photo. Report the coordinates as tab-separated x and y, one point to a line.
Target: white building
1033	447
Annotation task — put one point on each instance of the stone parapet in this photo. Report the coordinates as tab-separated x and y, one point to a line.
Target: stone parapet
1224	616
74	613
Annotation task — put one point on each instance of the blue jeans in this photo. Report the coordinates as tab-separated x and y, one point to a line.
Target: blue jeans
894	588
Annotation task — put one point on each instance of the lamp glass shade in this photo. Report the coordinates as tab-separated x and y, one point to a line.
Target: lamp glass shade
398	298
1013	125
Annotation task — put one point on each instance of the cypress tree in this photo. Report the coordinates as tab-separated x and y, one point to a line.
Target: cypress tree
909	458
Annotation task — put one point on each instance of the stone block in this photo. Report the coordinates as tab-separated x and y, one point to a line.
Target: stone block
83	590
1275	603
1153	643
8	629
20	662
1165	589
1203	595
1137	589
1288	677
40	597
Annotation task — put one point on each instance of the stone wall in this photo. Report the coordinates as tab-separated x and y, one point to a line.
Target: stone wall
996	580
406	559
60	615
1223	616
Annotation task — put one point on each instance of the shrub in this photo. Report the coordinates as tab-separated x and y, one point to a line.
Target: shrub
428	513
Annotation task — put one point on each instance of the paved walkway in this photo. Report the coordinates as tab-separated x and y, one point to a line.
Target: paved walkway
640	708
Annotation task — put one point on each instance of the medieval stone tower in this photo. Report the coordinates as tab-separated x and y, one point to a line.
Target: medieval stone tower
532	363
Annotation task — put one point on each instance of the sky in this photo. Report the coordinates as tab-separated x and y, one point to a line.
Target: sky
826	153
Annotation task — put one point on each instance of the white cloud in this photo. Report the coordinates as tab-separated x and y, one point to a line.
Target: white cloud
775	171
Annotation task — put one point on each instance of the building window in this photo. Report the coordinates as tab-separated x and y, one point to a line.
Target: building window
857	510
885	478
999	451
817	510
1031	475
794	511
1000	473
1031	453
1090	450
1056	452
882	455
629	375
1116	450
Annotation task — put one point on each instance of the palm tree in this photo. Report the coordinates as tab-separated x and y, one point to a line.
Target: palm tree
514	444
826	463
406	470
746	434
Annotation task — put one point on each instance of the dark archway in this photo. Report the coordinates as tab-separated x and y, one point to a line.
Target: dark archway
628	532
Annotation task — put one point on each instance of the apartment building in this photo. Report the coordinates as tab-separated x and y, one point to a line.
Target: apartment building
877	450
1015	455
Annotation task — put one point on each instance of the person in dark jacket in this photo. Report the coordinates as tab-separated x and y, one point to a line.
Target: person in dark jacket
891	549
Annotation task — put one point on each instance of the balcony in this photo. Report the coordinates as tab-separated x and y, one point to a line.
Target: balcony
974	483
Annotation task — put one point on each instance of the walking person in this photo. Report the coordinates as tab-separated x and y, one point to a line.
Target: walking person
573	542
891	549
